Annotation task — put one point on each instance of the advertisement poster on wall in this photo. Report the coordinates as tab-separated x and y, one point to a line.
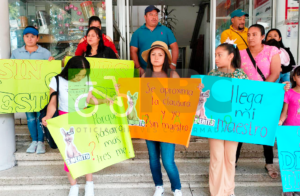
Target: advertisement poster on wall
262	13
291	31
291	11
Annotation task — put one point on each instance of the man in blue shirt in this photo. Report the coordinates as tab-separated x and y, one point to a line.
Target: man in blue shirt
150	32
35	52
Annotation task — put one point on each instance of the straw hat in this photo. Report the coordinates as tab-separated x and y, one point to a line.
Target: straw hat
158	44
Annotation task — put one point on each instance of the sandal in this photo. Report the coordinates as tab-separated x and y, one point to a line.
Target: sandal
272	171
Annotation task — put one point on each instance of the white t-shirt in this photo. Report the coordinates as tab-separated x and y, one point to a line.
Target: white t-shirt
76	92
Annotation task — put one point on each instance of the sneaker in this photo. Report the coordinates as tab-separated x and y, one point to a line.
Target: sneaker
177	193
74	190
287	194
159	191
40	148
89	189
296	193
32	147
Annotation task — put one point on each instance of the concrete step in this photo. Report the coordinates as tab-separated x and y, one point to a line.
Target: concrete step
195	150
132	171
23	135
138	189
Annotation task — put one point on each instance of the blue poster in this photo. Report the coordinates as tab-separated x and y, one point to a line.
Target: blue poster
238	110
288	141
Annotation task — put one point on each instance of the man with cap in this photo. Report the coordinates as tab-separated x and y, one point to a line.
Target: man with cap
33	51
238	31
150	32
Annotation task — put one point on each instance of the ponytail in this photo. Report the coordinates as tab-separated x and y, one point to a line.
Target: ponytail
232	49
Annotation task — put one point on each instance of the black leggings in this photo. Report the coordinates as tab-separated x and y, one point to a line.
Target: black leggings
268	152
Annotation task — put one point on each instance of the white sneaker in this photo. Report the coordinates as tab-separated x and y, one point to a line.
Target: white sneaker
74	190
89	189
40	148
177	193
32	147
159	191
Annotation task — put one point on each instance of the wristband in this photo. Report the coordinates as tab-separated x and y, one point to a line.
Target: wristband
173	64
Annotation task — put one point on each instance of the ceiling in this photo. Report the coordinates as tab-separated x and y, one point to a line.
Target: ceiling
167	2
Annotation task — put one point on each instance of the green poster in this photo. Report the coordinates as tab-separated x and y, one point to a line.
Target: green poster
24	84
97	140
106	72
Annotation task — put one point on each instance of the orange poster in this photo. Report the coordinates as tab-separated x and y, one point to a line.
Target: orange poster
160	109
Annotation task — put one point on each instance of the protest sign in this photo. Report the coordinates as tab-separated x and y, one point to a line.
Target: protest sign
288	141
24	84
94	142
238	110
160	109
105	73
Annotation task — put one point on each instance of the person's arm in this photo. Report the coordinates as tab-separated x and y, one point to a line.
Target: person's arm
12	56
50	109
275	69
174	74
80	49
135	58
175	53
283	115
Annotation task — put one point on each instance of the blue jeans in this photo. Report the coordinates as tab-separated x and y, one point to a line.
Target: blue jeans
167	152
284	77
34	126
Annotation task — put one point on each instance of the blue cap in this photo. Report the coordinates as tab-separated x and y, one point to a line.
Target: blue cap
31	30
238	13
151	8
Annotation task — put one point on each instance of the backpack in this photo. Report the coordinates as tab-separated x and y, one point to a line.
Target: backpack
43	113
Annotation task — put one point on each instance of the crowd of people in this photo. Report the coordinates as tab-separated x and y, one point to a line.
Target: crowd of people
245	53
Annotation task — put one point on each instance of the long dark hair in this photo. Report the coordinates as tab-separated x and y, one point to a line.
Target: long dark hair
74	66
101	46
149	69
295	73
261	29
236	61
279	34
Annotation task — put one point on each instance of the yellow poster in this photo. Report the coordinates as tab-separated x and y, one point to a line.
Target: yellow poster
24	84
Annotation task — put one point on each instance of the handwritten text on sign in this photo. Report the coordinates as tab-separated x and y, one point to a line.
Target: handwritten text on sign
160	109
24	84
288	140
238	110
94	142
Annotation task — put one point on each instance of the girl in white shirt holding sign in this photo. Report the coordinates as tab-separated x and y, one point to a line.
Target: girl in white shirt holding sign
74	84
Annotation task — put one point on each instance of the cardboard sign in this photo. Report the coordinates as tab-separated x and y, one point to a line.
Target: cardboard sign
288	141
160	109
24	84
95	142
238	110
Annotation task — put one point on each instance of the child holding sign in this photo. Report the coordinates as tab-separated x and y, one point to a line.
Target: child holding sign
222	152
158	59
290	115
33	51
76	71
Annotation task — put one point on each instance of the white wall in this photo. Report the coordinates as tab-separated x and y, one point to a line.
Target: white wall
205	30
184	28
280	24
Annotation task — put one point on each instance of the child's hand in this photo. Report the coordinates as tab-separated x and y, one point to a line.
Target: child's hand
51	58
201	86
287	86
44	121
280	122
